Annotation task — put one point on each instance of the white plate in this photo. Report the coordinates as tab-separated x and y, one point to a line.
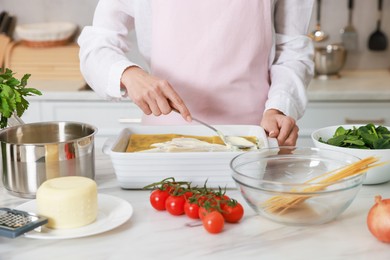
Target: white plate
112	213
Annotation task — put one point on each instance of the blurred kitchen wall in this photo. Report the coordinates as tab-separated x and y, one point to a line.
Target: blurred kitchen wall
334	16
30	11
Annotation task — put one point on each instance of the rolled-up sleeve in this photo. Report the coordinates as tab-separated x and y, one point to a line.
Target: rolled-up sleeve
292	66
103	47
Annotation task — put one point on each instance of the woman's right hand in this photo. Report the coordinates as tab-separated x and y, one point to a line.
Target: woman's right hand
153	95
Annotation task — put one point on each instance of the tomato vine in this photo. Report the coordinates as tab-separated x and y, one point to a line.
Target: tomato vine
212	207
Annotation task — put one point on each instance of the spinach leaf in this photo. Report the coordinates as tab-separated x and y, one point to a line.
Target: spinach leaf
364	137
337	140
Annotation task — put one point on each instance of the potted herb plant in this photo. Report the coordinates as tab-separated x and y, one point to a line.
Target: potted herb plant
12	95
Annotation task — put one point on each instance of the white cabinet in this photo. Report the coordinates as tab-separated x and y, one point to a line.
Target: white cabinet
109	117
322	114
33	113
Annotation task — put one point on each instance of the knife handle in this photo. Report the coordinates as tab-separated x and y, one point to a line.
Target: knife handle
350	4
2	15
11	26
5	24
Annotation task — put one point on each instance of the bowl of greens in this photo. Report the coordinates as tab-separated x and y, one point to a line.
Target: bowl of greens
361	141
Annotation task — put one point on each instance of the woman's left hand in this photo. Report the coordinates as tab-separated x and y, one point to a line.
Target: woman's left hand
281	127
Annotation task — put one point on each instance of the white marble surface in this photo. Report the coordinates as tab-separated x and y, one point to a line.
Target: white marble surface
156	235
354	85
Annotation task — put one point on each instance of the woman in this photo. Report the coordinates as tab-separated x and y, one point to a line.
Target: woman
224	61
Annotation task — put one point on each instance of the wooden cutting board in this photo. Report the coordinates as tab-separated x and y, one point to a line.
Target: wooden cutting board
50	67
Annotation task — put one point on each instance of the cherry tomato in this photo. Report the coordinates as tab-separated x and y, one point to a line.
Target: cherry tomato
191	209
203	211
201	199
175	205
232	211
221	200
169	187
222	197
188	194
213	222
158	198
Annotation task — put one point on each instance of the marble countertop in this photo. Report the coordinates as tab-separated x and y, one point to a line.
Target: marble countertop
365	85
157	235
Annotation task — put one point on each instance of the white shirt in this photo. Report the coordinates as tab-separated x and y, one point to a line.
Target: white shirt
105	44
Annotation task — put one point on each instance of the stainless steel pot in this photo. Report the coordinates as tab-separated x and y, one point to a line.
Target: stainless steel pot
33	153
329	60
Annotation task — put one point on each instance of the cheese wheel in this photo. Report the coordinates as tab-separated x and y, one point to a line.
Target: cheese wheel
68	202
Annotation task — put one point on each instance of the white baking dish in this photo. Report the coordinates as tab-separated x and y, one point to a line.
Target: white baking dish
136	170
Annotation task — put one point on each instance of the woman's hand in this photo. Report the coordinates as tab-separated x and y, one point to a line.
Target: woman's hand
153	95
280	126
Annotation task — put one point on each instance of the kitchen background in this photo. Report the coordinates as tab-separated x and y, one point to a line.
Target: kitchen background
334	16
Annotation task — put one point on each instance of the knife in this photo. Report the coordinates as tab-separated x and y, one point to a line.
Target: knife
2	16
6	24
11	27
4	39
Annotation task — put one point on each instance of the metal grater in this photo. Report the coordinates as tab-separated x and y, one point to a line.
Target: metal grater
14	222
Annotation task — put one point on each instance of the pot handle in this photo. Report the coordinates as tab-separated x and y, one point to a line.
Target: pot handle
14	120
106	149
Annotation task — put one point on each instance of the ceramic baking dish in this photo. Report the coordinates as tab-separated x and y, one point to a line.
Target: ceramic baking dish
136	170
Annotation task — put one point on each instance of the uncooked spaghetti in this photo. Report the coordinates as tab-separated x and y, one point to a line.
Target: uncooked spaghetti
280	204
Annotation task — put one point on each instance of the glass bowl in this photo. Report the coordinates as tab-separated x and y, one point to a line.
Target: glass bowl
278	183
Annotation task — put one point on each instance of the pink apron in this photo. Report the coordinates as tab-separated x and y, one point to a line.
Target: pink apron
215	55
